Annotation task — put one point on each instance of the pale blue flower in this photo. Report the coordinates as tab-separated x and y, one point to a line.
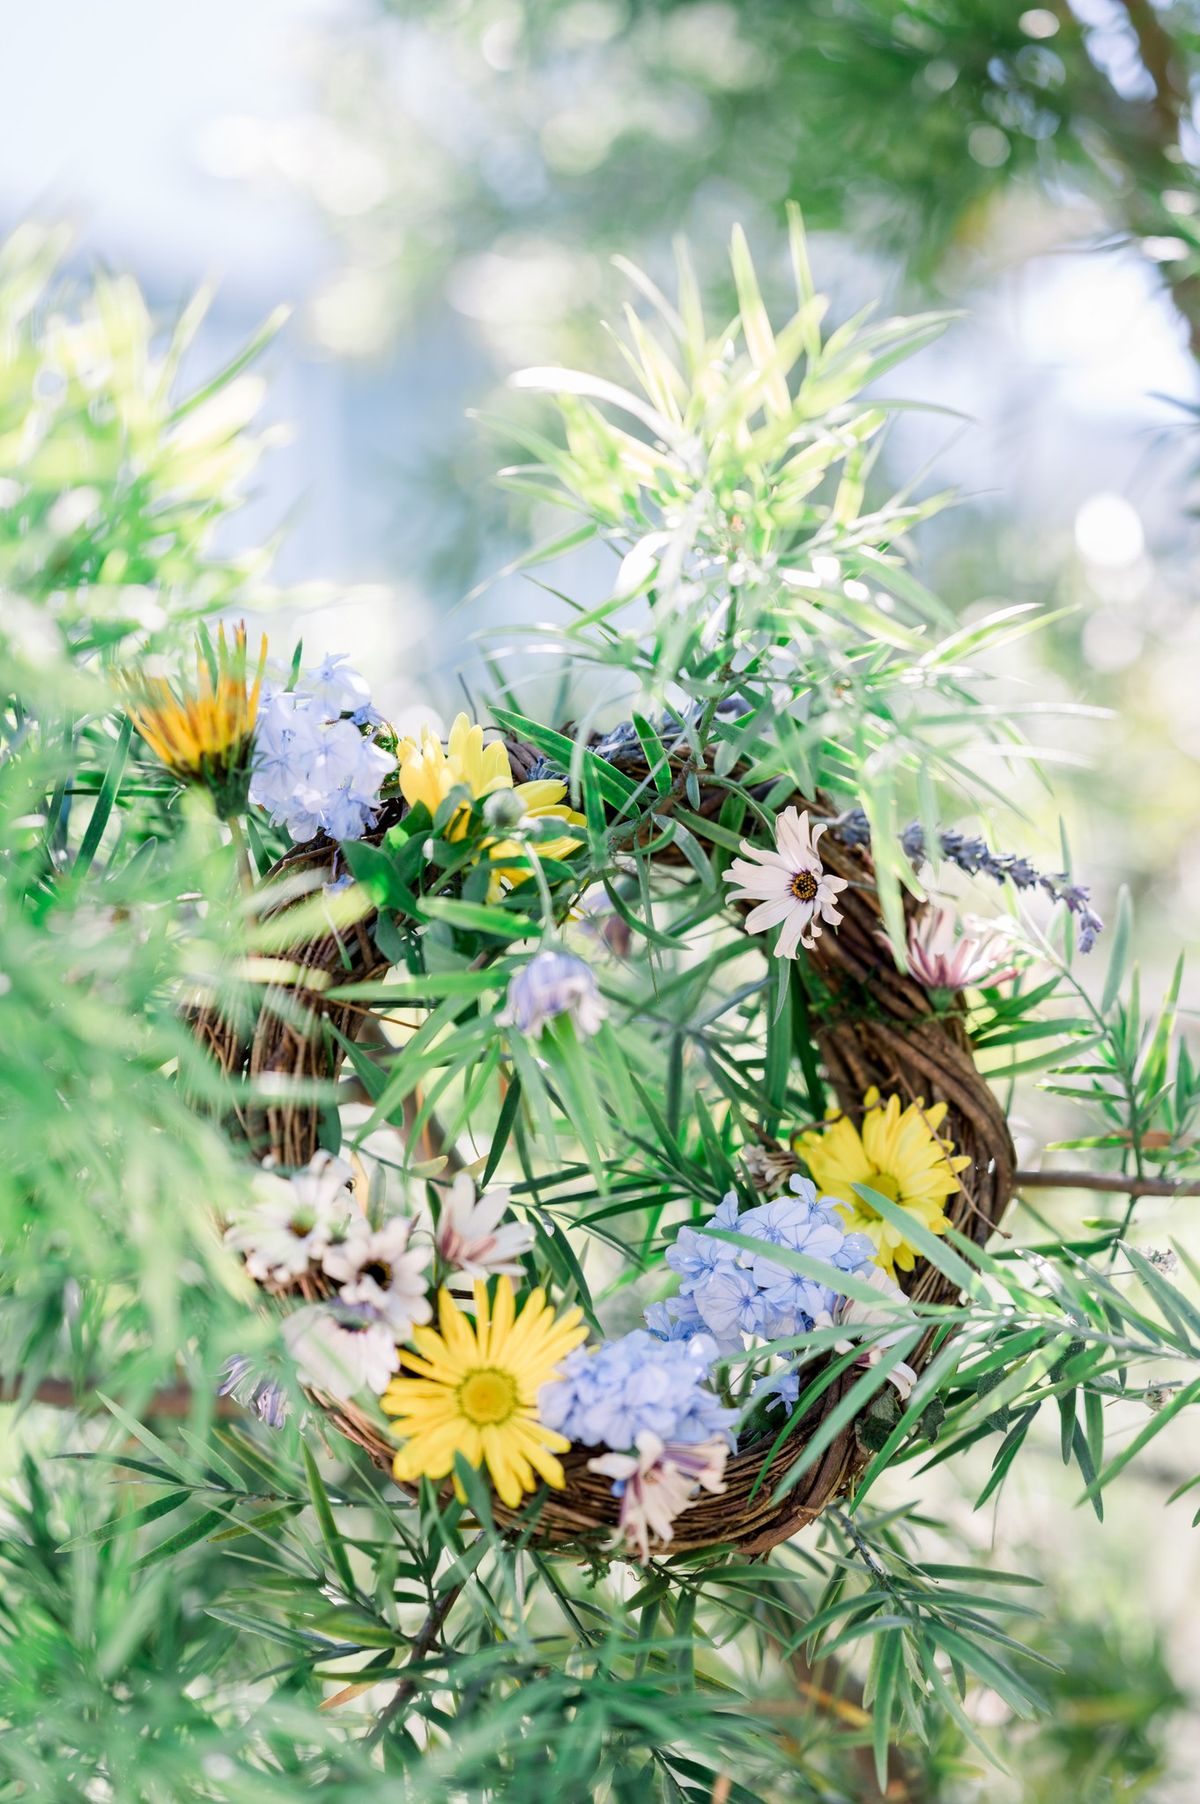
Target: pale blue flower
695	1254
552	983
731	1304
254	1390
779	1388
801	1223
337	692
638	1384
676	1319
739	1292
315	771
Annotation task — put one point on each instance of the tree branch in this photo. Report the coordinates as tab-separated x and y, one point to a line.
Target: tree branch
1112	1183
175	1400
423	1644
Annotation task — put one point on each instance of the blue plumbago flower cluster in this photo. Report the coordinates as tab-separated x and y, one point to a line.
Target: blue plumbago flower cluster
974	856
316	767
638	1384
728	1292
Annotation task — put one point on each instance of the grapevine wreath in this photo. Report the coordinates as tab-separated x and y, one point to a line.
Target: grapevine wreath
880	1032
666	1029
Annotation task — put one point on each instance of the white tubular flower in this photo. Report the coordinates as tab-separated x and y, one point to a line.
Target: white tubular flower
657	1483
376	1269
292	1222
470	1239
789	882
893	1302
944	956
551	984
341	1350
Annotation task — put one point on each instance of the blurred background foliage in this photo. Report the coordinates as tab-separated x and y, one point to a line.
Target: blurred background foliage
439	187
477	164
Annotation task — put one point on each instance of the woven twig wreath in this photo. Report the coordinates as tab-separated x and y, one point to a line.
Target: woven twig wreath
888	1036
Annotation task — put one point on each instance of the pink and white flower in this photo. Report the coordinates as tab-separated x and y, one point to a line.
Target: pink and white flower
376	1268
341	1350
789	882
470	1239
657	1483
944	954
893	1304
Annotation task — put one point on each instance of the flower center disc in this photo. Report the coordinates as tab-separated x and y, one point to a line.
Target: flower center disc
886	1185
487	1396
804	886
379	1271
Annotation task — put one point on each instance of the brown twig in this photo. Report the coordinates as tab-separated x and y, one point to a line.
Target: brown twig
1113	1183
423	1645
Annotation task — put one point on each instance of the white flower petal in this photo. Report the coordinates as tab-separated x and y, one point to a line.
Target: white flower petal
792	932
769	914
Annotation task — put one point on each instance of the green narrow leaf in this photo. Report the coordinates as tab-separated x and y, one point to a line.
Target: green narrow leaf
760	340
886	1673
1118	957
478	917
203	1525
334	1545
94	831
503	1128
1181	1400
150	1441
951	1264
130	1521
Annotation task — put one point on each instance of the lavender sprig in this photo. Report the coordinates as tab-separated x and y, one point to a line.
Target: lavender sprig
970	853
974	856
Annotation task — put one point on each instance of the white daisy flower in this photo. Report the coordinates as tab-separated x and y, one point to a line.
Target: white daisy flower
790	883
341	1350
292	1222
377	1269
323	1183
470	1239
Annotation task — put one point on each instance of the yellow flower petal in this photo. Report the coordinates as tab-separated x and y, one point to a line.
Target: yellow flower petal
896	1151
476	1392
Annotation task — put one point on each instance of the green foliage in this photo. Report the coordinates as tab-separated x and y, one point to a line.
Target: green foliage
217	1613
115	480
910	126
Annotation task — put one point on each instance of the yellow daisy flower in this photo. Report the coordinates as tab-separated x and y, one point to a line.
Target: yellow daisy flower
429	771
476	1392
203	731
897	1152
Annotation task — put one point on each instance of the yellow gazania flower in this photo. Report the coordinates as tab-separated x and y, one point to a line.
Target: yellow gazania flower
429	771
897	1152
203	731
476	1392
